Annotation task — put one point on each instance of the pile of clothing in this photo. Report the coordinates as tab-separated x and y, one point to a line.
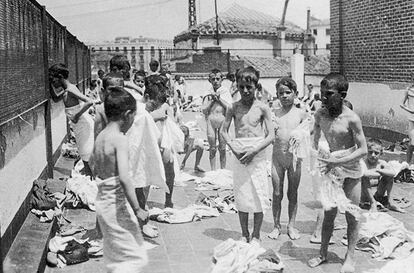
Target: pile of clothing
223	201
70	150
221	179
239	257
385	237
178	216
405	265
69	250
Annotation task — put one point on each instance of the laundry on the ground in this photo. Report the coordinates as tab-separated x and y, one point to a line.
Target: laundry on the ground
221	179
223	202
405	265
70	150
233	256
178	216
384	236
47	216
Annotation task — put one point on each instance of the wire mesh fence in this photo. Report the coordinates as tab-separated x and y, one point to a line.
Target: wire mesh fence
27	32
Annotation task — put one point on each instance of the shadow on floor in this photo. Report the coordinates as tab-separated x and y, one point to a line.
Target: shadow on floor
303	226
303	254
222	234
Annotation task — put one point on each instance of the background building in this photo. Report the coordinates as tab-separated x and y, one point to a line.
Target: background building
321	30
372	43
140	51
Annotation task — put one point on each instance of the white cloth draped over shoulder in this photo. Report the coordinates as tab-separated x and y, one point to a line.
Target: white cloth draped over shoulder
146	167
251	191
123	243
83	130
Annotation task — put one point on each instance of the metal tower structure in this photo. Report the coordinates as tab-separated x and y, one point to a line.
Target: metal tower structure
192	16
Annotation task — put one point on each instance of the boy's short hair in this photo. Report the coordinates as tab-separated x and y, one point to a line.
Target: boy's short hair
156	91
117	102
112	79
249	74
374	141
154	63
140	73
335	81
288	82
119	62
59	70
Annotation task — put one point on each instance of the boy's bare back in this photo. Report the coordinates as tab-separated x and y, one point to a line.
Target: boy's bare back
286	123
248	121
104	163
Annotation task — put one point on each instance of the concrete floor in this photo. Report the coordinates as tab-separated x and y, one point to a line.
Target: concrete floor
187	248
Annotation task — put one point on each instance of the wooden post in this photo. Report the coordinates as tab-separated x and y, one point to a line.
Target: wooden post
228	61
48	115
76	62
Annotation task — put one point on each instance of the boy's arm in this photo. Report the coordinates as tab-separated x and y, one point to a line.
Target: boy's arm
121	152
224	131
385	169
77	94
84	108
316	131
270	136
360	141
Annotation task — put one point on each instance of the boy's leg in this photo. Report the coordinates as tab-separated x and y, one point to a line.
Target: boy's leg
222	150
327	229
292	194
211	137
169	180
366	195
278	176
352	189
199	155
410	148
385	185
244	224
258	220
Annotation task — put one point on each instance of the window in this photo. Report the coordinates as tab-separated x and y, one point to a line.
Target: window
125	49
328	46
100	49
109	49
133	48
152	51
116	49
328	31
315	32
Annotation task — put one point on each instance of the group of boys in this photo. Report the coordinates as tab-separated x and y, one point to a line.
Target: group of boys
256	127
334	121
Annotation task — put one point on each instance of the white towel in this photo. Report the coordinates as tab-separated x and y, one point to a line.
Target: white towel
83	130
145	162
251	191
123	248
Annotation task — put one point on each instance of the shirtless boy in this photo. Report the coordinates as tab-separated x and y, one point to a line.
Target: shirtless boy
408	105
214	109
288	118
378	172
343	131
254	132
81	122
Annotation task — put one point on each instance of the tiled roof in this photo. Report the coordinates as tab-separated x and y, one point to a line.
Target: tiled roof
238	20
279	67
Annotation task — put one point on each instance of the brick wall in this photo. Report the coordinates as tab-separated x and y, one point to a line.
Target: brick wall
378	39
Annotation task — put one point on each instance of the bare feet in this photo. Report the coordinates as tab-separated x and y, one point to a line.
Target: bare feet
316	261
274	234
396	208
318	240
199	169
293	233
347	267
255	242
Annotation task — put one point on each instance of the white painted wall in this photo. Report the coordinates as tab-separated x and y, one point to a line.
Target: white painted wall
26	157
321	39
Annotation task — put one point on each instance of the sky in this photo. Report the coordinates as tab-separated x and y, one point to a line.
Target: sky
103	20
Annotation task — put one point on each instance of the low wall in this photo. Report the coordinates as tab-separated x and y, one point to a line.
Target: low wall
23	156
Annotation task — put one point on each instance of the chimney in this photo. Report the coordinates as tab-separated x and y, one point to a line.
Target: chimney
192	17
308	30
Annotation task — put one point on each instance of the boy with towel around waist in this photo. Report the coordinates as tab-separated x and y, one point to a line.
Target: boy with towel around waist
254	132
76	104
117	207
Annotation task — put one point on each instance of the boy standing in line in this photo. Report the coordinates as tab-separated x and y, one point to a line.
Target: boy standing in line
254	132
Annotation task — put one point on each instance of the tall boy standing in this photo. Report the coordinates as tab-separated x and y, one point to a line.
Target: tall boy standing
254	132
342	129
